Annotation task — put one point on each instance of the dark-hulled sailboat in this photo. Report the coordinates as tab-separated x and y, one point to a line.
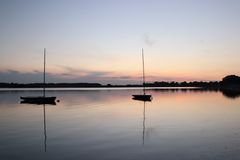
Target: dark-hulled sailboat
144	96
40	99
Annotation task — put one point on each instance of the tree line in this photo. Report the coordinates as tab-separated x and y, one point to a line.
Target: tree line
228	82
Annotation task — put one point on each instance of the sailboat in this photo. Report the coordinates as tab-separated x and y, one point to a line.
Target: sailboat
40	99
144	96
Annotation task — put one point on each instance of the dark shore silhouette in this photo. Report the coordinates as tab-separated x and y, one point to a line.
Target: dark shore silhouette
229	85
231	82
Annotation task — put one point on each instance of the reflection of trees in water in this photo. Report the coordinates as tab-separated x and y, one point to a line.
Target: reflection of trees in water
231	93
173	90
230	86
228	93
76	97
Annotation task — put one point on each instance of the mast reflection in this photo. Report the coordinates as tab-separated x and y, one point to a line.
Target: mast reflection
144	117
44	119
45	128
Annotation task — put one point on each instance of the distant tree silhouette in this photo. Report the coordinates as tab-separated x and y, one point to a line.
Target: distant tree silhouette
231	80
228	83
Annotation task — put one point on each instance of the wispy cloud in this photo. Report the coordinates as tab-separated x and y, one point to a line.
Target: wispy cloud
17	76
67	74
149	41
70	71
85	75
72	75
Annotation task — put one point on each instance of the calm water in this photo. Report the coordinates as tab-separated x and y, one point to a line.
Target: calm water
108	124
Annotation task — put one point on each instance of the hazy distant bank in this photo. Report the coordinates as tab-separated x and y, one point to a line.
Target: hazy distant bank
98	85
229	86
230	83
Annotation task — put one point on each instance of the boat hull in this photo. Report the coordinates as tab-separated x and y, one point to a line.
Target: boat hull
38	100
143	97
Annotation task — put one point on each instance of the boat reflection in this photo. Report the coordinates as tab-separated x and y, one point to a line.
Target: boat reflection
38	102
144	117
44	119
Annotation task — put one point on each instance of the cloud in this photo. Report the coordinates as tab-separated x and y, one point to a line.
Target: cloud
72	75
103	77
69	71
22	77
68	74
149	41
124	77
11	71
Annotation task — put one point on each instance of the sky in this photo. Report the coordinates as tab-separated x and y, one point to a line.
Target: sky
101	41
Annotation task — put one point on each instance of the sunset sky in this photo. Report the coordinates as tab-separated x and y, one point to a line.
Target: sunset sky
101	40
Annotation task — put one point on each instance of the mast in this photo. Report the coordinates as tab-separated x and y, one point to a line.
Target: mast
44	70
143	72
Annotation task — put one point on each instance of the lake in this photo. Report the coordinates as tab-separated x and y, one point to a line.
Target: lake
89	124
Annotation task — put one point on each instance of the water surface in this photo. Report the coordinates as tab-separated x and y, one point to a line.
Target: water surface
108	124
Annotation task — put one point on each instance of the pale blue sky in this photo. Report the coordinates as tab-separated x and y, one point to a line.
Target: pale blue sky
101	40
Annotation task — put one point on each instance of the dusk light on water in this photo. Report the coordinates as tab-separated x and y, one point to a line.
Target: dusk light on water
119	80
